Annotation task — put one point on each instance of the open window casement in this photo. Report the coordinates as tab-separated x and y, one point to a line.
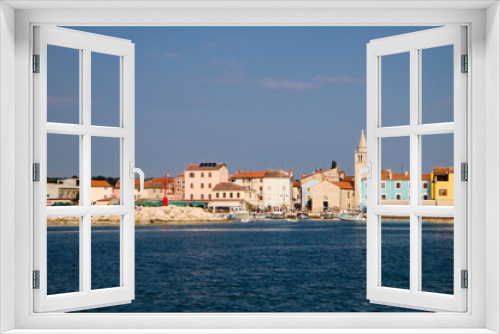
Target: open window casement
84	296
415	296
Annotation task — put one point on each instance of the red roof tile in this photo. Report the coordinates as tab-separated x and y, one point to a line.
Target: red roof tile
442	170
99	184
343	184
228	186
249	175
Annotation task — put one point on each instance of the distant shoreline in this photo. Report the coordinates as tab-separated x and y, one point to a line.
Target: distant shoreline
160	222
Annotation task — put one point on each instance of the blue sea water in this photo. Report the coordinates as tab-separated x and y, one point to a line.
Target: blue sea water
263	266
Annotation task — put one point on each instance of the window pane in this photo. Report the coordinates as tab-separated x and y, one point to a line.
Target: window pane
395	86
395	164
396	252
437	170
105	188
63	85
437	254
437	84
105	90
105	252
63	170
63	254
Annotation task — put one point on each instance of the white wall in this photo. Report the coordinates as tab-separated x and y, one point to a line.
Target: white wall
276	196
7	160
491	166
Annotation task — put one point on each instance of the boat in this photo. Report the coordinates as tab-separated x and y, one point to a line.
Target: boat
292	220
327	215
302	215
238	213
357	218
277	212
246	220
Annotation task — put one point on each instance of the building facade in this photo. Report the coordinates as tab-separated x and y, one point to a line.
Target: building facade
395	189
229	194
201	178
443	180
179	187
328	195
100	190
277	189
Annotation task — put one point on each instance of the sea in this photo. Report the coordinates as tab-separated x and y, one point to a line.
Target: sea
260	266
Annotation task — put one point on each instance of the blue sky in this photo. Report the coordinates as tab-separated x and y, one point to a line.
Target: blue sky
252	97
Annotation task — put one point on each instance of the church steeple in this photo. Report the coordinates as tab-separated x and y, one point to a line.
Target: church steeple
362	143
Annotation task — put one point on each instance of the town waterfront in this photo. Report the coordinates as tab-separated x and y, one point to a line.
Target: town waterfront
261	266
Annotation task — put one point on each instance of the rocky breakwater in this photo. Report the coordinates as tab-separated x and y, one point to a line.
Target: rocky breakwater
174	215
166	215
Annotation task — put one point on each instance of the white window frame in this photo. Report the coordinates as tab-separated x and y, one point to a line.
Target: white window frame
483	100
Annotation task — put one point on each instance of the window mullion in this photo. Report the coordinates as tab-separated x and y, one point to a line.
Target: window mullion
86	173
414	169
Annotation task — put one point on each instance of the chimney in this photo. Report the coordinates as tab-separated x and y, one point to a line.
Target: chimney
237	171
390	173
406	173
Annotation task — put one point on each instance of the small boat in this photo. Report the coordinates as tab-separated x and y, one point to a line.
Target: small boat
302	215
356	218
292	220
246	220
276	212
327	215
238	213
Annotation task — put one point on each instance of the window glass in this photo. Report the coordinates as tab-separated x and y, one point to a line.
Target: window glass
63	254
396	252
395	79
437	84
63	85
105	90
105	251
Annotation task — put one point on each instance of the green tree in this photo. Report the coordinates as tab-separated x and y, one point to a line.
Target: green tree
334	164
309	204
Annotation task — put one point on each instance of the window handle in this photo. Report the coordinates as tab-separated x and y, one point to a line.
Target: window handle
368	171
133	171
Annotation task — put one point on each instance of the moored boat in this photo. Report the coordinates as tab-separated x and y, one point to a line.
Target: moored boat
302	215
353	218
276	212
238	213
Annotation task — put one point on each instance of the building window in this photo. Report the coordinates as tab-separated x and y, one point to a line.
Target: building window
308	190
192	196
105	196
202	185
398	197
237	195
398	185
191	185
202	174
210	197
202	196
210	185
210	174
443	192
216	195
425	185
384	196
424	196
230	195
223	195
191	174
382	185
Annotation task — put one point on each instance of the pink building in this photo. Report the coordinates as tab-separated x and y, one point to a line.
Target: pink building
201	178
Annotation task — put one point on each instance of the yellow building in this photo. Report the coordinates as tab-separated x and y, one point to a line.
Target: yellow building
443	180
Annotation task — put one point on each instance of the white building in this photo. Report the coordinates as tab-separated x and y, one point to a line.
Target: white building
277	188
100	190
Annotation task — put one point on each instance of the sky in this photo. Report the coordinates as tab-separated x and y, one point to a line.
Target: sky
253	97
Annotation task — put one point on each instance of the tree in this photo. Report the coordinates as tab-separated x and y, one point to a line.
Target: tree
334	164
309	204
